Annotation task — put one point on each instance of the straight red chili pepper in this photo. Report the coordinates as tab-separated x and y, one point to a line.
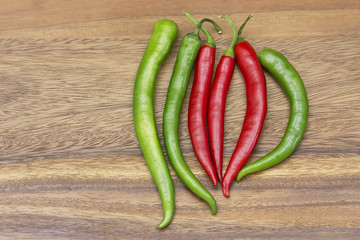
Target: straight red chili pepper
217	99
198	105
255	110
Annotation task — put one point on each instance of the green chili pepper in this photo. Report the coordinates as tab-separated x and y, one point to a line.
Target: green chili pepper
160	43
186	57
278	66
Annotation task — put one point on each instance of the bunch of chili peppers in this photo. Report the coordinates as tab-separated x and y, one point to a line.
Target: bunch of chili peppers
207	108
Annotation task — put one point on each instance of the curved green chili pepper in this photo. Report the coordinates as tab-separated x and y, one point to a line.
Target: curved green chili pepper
278	66
186	57
160	43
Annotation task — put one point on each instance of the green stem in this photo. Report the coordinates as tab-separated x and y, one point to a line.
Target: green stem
230	51
198	27
210	40
240	39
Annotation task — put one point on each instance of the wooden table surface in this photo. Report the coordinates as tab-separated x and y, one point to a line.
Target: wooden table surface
70	163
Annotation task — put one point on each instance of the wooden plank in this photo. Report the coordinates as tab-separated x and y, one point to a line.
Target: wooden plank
70	164
275	24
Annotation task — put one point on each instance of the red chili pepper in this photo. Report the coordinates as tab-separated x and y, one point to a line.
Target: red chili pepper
255	110
198	105
217	99
197	109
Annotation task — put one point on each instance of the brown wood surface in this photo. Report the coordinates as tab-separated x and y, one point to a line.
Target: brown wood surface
70	164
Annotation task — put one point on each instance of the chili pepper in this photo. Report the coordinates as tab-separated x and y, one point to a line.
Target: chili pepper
186	57
217	99
255	110
160	43
289	79
198	104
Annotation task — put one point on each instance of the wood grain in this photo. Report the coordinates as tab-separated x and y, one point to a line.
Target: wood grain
70	164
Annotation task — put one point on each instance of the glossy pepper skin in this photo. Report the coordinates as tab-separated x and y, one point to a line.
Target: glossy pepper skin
198	106
217	100
159	45
186	57
289	79
256	109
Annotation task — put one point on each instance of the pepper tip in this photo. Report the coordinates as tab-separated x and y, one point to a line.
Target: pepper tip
238	178
213	209
163	224
214	180
225	188
219	176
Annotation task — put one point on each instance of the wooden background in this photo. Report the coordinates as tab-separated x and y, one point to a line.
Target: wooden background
70	164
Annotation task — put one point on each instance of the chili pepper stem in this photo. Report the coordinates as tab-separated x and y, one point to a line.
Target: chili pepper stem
199	26
240	38
210	40
230	51
217	27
